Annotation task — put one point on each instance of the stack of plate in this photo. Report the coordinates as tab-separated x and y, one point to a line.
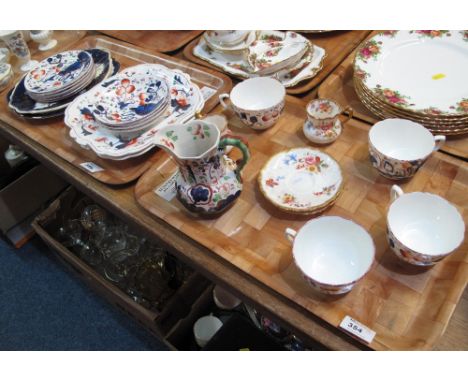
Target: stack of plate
176	100
301	180
25	106
60	76
287	56
419	75
132	102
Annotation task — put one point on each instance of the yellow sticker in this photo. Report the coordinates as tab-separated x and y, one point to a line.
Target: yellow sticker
438	76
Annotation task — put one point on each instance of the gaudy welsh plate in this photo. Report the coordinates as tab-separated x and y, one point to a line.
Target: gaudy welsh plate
131	95
58	71
301	180
23	104
186	100
307	67
423	71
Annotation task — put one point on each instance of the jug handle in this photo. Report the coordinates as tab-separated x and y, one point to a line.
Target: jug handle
229	140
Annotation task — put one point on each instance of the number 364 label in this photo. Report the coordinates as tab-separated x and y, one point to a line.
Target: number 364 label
357	329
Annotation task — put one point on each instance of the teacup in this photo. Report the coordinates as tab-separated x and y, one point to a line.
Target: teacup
423	228
399	147
225	300
227	37
258	101
205	328
332	253
323	124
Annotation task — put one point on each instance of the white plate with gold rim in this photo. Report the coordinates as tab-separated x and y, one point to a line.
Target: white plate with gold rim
301	180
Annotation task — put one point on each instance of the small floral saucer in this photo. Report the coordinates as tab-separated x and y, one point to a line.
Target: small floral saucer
322	136
301	180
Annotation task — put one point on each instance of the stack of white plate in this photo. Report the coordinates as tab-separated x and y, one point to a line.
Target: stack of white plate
420	75
114	120
131	102
60	76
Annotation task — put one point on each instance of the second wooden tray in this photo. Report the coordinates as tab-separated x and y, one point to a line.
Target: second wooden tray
54	135
337	45
339	87
408	308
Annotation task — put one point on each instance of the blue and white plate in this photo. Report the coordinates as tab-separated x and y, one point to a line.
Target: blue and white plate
23	104
58	72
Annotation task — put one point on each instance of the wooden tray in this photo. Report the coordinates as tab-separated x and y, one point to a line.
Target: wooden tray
337	46
339	87
408	308
53	134
160	41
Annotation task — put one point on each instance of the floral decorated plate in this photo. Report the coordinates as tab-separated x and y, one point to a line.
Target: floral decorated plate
237	65
185	100
422	71
273	51
23	104
132	95
301	180
58	71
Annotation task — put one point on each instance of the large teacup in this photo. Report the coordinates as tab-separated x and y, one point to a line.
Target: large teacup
332	253
398	147
423	228
258	102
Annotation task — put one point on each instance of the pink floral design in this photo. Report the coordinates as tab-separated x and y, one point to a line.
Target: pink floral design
371	49
392	96
432	33
270	182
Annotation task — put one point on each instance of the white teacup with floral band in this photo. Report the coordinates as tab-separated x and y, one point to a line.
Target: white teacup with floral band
227	37
399	147
332	253
323	124
258	102
423	228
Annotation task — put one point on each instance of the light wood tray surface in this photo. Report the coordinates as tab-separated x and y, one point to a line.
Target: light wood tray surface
54	135
339	87
408	307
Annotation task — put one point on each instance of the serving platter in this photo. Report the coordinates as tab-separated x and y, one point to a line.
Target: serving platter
337	45
406	307
54	135
340	87
156	40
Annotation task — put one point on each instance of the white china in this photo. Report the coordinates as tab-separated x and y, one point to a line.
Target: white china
323	124
227	37
238	48
205	328
225	300
269	53
422	71
237	65
332	253
423	228
258	102
44	38
399	147
301	180
15	41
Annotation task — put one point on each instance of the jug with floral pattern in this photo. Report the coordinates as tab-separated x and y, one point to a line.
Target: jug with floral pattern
209	180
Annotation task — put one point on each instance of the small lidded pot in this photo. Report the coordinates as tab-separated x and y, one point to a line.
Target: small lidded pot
423	228
323	125
399	147
332	253
258	102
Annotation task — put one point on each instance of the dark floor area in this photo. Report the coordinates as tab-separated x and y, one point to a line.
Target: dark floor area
44	307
